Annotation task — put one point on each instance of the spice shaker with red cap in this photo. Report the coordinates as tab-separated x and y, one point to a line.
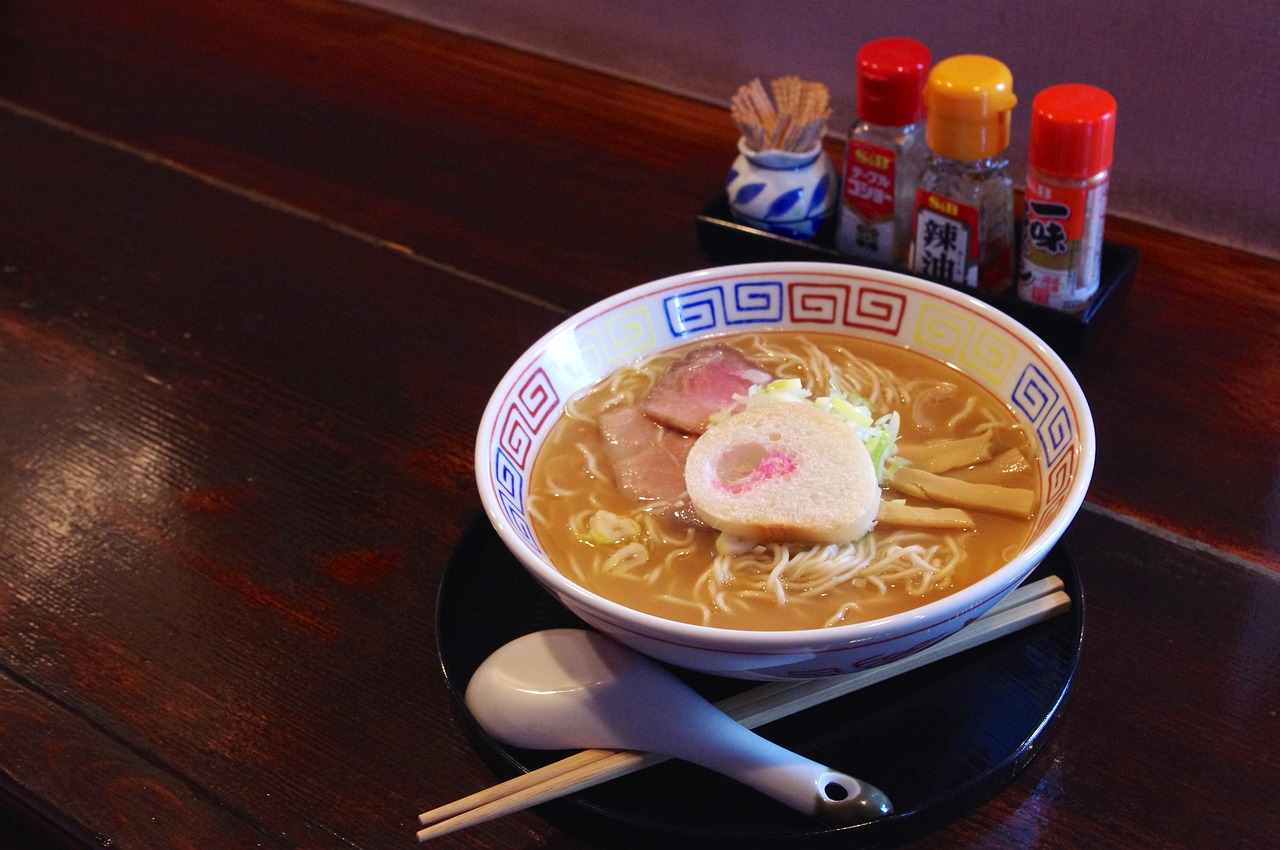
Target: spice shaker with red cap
886	151
1068	173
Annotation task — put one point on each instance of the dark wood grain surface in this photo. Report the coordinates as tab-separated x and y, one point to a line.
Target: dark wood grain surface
260	265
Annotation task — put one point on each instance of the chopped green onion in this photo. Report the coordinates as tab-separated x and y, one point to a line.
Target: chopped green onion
606	527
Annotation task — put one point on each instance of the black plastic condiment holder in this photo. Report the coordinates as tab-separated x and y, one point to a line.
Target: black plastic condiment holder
725	241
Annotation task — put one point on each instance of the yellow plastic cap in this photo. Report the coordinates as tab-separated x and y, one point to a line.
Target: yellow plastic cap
968	100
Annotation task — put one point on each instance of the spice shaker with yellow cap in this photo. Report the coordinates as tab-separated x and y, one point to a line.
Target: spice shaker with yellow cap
962	225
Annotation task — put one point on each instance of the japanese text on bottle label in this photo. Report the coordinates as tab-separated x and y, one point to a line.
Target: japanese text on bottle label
945	239
1059	262
867	219
868	179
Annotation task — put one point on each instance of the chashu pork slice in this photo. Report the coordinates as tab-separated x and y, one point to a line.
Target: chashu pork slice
647	461
701	384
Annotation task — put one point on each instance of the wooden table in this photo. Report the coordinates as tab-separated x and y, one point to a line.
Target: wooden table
261	264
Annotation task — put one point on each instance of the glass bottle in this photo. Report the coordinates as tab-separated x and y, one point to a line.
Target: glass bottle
1068	171
885	152
962	225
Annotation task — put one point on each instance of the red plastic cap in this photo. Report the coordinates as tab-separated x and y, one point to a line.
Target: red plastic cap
891	76
1073	129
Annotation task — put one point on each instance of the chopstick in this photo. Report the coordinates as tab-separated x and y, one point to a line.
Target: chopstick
1023	607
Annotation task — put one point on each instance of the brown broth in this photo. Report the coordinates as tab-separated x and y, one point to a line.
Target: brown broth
667	584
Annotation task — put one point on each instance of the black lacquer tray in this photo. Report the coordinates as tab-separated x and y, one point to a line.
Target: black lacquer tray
725	241
938	740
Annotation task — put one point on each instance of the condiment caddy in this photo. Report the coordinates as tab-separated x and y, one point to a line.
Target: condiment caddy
925	187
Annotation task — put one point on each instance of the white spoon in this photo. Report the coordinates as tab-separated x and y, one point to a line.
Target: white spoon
575	689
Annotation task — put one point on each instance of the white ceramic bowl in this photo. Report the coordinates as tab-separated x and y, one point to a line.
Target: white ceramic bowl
942	323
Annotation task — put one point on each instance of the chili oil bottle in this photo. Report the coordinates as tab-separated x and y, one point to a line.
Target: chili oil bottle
962	224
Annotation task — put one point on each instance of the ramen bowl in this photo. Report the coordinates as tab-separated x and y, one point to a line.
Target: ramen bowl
941	323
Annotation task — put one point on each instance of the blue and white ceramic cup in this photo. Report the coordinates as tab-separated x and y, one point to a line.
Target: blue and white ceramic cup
783	192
